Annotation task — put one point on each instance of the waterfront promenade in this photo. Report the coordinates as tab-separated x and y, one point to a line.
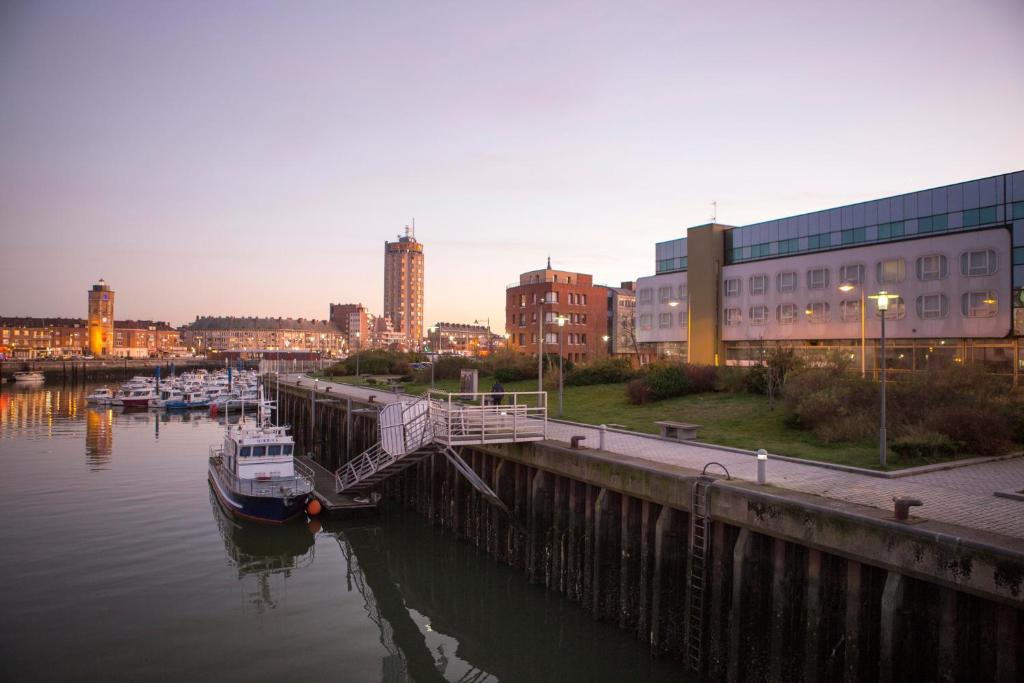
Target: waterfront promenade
964	495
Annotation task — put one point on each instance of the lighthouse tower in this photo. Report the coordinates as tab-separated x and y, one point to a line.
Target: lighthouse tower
101	320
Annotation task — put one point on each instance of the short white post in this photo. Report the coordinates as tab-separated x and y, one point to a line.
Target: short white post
762	466
603	432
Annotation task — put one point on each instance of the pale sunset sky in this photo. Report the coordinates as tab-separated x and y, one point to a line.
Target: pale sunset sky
251	158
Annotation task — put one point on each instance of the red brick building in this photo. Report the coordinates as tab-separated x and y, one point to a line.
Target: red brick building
534	304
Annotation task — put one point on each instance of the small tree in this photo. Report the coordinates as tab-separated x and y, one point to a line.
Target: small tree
779	362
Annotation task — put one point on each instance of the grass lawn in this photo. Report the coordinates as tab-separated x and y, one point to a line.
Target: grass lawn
737	420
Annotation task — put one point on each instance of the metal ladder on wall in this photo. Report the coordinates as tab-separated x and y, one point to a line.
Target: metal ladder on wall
700	527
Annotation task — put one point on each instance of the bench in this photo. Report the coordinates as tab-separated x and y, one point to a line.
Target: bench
677	431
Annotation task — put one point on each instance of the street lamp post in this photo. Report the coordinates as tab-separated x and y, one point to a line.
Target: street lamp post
561	375
358	349
847	287
882	298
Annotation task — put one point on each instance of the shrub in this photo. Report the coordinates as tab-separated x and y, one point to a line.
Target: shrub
603	371
756	380
667	381
732	379
512	367
637	392
701	378
982	432
918	443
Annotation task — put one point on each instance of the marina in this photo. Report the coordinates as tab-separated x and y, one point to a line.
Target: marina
384	597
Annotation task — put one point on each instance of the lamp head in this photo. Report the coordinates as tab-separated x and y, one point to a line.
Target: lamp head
846	287
673	304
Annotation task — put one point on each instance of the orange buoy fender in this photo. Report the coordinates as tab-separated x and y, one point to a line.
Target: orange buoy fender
313	508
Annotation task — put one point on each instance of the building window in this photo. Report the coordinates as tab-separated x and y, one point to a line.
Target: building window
664	320
550	338
931	267
758	315
978	304
732	286
682	293
551	297
522	299
786	314
852	274
683	322
932	306
786	282
818	278
849	310
646	296
819	312
664	294
758	284
733	317
975	263
645	321
890	271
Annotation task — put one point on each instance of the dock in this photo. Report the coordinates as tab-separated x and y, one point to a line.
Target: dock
335	504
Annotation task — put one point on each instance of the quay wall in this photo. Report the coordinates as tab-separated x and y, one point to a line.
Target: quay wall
797	587
75	371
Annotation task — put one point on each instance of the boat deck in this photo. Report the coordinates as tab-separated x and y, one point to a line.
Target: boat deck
334	504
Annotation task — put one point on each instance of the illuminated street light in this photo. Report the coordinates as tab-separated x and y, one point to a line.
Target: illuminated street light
883	298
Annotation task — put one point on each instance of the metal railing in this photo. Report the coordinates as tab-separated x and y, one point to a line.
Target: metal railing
464	419
376	458
267	487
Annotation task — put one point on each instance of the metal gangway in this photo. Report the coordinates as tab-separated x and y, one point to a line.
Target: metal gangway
441	422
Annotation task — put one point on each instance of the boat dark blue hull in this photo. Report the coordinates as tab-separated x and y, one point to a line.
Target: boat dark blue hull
257	508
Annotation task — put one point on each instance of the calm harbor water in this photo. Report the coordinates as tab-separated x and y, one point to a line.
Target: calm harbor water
118	564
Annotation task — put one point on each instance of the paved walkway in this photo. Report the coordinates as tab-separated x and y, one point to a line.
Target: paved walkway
962	495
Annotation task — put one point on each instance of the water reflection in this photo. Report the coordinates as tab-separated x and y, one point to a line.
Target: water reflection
99	437
264	557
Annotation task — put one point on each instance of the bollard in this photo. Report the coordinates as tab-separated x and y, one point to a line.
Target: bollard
762	466
902	507
603	431
574	442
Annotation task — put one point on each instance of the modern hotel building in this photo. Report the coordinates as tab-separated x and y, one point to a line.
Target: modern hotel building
952	255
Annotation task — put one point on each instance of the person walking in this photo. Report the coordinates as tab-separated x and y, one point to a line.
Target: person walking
497	393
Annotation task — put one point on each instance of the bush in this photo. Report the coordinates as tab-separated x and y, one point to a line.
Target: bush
667	381
919	443
513	367
756	381
603	371
981	432
701	378
732	379
637	392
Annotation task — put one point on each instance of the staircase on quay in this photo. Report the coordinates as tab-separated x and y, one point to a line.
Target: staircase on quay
441	423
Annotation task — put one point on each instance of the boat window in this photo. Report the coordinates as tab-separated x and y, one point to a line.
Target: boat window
274	450
245	451
287	449
259	450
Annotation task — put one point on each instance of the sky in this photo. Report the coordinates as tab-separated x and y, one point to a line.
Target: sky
251	158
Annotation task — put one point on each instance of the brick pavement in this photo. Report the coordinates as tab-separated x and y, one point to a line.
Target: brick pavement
962	495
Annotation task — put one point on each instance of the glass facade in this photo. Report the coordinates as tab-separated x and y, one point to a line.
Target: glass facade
670	256
975	204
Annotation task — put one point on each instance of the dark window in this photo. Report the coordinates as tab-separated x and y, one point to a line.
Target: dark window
259	450
246	451
287	449
274	450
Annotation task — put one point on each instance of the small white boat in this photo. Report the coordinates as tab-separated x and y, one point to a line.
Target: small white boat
29	376
102	396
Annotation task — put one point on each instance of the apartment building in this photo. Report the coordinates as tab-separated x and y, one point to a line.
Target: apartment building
226	333
534	304
403	286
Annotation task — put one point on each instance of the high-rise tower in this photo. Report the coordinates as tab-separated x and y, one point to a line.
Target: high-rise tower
403	286
101	320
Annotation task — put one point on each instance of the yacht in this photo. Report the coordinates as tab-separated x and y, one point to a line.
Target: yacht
102	396
134	398
29	376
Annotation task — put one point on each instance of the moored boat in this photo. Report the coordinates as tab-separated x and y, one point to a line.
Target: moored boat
102	396
255	475
134	398
29	376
